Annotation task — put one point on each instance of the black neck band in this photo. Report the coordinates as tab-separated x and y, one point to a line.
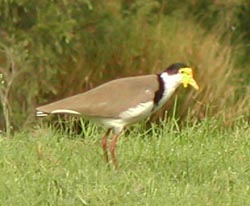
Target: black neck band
160	91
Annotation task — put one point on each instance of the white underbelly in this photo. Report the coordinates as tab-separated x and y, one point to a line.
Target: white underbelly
130	116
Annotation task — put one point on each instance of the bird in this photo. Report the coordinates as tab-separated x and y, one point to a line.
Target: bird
122	102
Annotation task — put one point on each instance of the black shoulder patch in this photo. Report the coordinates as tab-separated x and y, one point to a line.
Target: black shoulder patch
160	91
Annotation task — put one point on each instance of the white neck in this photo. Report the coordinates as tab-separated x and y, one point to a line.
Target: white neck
171	82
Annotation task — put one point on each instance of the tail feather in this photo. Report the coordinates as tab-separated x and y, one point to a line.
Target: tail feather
41	114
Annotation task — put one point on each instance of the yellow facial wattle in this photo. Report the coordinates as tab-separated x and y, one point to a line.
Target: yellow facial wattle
187	77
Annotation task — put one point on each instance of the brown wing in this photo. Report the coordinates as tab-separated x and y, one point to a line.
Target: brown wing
109	99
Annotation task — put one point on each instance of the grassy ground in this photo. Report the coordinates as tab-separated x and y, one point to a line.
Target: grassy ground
201	164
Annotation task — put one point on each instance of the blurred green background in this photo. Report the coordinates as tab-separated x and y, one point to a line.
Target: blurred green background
53	49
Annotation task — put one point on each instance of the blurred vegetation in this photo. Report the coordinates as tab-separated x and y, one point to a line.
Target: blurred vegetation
53	49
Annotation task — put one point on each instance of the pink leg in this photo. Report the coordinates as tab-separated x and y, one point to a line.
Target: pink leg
104	145
112	149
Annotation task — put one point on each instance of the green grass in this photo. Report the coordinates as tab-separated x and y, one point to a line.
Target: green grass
199	164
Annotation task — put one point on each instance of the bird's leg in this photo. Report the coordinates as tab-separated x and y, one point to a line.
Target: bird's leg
112	149
104	145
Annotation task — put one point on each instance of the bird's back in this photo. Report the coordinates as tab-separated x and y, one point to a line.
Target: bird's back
110	99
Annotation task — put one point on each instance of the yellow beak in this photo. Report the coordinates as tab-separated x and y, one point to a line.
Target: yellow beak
193	83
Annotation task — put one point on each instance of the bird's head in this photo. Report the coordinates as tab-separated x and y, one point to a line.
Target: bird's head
184	74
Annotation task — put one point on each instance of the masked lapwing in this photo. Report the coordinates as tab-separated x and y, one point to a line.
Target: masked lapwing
121	102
